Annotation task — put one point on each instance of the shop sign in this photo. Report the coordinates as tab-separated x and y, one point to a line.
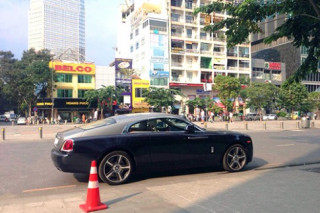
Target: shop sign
272	65
137	82
61	67
159	59
159	74
123	81
202	92
122	63
44	104
63	103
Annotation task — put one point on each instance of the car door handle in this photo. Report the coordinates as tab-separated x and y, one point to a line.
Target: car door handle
197	138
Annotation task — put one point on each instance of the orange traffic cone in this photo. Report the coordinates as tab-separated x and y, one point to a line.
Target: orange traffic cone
93	202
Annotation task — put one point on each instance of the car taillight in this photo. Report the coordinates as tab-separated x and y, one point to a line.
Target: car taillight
67	145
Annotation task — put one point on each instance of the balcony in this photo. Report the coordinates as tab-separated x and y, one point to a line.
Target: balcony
206	80
242	55
177	34
219	53
178	50
176	64
244	68
195	51
232	54
219	67
232	68
206	52
191	36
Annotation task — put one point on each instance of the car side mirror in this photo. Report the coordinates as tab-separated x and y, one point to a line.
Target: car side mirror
190	129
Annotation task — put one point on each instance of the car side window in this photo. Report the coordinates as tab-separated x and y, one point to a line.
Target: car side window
141	126
175	124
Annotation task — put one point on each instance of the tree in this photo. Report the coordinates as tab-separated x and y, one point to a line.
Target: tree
260	95
160	97
6	67
104	98
294	97
300	23
228	88
28	79
314	98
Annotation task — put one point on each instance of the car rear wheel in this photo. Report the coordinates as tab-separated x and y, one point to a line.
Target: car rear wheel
235	158
115	168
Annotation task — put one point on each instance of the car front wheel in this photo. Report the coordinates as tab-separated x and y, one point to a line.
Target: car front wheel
115	168
235	158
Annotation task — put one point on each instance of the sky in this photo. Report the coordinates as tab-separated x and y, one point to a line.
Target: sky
100	28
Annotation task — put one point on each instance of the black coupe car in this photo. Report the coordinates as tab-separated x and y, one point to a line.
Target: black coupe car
125	144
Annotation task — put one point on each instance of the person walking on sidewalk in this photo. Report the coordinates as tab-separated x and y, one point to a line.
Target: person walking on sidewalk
202	116
230	117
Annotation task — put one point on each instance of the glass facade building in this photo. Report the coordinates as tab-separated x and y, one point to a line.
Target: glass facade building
59	26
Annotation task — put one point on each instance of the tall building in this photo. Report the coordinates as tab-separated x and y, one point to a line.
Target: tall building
282	51
59	26
168	46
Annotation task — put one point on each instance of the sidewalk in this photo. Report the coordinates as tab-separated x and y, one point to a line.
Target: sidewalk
257	125
32	132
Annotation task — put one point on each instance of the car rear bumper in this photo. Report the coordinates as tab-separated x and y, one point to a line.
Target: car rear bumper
68	162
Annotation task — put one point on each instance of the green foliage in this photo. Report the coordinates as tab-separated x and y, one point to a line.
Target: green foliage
261	95
294	96
228	88
300	23
104	97
314	98
160	97
281	114
27	79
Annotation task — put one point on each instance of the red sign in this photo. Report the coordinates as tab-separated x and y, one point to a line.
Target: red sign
72	68
274	66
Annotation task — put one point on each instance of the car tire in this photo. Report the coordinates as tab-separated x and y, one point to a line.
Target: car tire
235	158
116	168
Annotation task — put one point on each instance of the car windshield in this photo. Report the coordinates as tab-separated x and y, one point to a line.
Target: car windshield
104	122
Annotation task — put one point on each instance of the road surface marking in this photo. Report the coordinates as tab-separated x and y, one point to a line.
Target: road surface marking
49	188
286	144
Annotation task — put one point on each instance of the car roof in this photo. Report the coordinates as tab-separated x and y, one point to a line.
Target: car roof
142	116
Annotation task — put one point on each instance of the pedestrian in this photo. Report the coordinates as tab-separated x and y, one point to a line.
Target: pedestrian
202	116
210	116
230	117
59	119
197	113
95	115
83	118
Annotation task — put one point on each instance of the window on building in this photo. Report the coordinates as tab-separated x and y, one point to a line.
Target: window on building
158	51
84	79
131	35
137	32
131	49
81	93
137	45
158	25
158	67
67	78
145	24
64	93
159	81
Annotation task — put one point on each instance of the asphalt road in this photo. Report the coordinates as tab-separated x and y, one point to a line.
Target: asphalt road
27	166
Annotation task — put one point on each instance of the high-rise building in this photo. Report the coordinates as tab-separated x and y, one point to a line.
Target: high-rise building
59	26
282	51
169	47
